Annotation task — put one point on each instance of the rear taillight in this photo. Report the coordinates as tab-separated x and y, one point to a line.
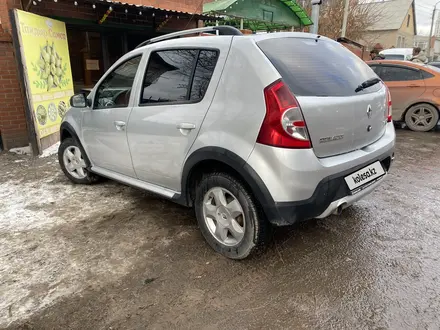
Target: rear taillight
283	125
389	111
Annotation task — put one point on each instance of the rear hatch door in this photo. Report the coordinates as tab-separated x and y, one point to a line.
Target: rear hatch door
323	75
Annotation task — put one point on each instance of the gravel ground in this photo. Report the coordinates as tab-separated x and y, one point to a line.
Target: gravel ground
112	257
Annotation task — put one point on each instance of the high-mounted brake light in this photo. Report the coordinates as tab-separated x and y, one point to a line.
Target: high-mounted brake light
283	125
389	111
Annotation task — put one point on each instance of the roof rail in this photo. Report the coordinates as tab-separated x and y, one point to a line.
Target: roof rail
222	30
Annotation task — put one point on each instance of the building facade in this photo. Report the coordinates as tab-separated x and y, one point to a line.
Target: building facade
395	25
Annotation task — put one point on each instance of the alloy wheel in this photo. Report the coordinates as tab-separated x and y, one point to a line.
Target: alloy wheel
224	216
74	162
421	117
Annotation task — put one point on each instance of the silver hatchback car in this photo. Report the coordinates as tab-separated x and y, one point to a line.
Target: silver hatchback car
251	131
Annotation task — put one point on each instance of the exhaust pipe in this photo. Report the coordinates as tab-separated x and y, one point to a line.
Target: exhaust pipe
339	209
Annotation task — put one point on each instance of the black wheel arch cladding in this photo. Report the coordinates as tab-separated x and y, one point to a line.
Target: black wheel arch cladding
238	164
66	127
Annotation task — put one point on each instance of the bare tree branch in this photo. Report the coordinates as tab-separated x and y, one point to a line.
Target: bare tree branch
362	16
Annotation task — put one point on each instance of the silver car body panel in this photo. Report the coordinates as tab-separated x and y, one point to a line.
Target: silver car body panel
238	109
357	121
158	139
293	174
105	144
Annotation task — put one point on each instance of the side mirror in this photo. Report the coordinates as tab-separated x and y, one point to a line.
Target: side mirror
79	100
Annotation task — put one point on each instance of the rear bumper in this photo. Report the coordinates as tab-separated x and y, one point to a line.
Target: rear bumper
328	196
338	205
301	186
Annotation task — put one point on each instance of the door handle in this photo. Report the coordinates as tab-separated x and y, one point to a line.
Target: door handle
187	126
120	125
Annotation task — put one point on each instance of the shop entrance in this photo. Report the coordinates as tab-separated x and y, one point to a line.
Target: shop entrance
93	52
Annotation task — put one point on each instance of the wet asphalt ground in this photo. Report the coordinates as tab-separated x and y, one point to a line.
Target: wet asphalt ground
117	258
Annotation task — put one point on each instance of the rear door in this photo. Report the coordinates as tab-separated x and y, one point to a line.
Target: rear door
177	89
324	75
405	84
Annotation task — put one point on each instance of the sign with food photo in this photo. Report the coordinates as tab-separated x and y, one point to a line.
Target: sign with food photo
47	71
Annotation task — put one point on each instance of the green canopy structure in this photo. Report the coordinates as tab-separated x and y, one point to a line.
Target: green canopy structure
260	14
299	11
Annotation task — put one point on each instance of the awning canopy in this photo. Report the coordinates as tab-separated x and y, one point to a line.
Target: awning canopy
270	13
299	11
151	8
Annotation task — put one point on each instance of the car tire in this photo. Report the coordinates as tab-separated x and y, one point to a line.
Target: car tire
233	225
74	162
421	117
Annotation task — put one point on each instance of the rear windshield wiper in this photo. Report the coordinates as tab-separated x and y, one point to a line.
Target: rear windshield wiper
366	84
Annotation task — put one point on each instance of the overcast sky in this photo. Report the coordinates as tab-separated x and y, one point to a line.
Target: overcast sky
423	15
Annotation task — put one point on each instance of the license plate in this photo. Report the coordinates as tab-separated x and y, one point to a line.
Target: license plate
365	175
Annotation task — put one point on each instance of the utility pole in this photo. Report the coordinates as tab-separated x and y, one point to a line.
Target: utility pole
432	26
315	15
344	22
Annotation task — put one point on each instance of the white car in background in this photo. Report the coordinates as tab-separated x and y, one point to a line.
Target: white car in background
402	54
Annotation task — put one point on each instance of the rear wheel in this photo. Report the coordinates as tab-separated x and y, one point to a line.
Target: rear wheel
228	217
421	117
74	163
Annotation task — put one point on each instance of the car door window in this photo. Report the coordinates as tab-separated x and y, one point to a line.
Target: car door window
168	76
115	90
376	69
395	73
427	75
178	75
202	76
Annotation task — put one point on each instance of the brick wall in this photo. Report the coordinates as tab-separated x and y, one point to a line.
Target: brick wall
13	128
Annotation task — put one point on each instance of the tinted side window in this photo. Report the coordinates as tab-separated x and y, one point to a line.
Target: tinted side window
394	73
426	75
115	90
168	76
202	76
376	69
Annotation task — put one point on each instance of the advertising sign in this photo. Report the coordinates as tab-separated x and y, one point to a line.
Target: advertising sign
46	66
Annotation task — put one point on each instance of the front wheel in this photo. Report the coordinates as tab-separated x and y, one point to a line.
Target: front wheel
73	162
421	117
228	217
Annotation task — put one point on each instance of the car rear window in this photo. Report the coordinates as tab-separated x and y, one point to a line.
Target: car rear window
317	67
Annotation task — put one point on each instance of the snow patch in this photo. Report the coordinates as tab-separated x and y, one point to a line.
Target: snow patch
52	150
21	151
23	205
33	256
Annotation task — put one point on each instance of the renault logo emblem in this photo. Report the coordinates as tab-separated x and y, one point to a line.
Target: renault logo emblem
369	111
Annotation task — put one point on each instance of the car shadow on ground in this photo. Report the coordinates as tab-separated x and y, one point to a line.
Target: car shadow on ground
173	219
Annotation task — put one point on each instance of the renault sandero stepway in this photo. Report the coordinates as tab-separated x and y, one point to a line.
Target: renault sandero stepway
251	131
